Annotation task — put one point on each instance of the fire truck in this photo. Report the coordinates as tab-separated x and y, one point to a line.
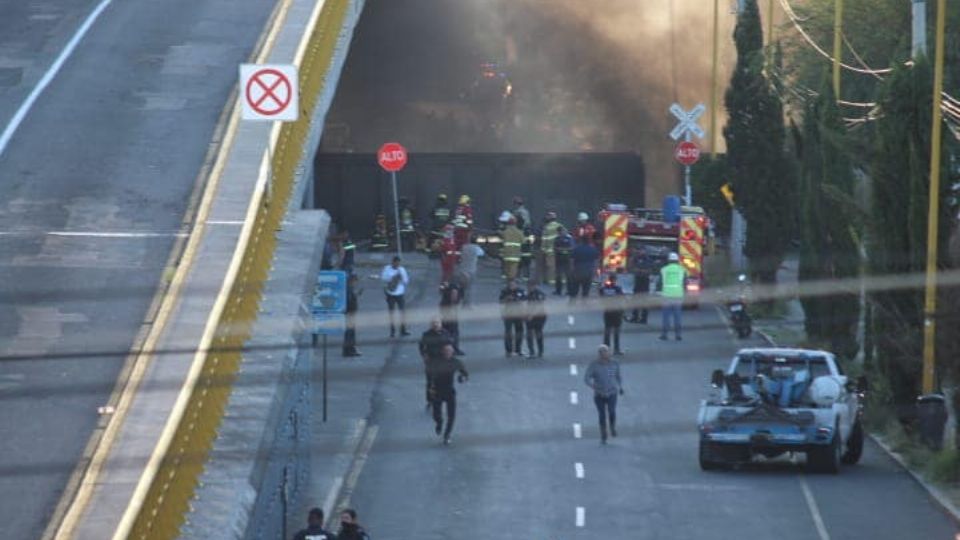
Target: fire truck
649	238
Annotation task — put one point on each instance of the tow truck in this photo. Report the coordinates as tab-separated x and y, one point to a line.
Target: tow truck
773	401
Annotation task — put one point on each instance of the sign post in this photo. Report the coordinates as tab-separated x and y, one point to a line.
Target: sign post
687	153
269	93
328	307
392	158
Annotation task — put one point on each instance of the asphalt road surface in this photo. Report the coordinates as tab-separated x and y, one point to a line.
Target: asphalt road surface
516	468
94	186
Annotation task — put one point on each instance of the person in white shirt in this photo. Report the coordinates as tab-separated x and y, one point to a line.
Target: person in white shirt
395	280
469	254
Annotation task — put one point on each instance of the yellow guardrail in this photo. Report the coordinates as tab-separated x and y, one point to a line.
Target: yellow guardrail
180	456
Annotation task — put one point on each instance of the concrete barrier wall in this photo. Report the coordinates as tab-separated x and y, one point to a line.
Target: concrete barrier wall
163	509
353	188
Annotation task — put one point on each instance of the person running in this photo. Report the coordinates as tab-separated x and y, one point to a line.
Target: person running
536	318
603	376
450	297
441	389
612	295
672	277
431	347
314	530
350	529
511	309
395	280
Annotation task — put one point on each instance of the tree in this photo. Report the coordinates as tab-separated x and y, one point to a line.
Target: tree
761	173
829	238
900	174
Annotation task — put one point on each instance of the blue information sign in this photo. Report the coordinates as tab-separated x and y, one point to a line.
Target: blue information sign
329	302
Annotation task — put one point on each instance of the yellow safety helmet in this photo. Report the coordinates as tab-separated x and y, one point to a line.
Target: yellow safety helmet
442	197
464	199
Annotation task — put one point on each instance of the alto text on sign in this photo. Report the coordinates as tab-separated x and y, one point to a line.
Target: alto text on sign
687	153
392	157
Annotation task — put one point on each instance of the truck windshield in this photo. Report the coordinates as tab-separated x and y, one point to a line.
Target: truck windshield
752	365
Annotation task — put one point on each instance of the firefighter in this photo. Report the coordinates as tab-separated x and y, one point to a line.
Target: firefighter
585	229
449	252
512	249
463	221
548	237
523	215
512	311
526	252
379	240
439	217
408	231
562	248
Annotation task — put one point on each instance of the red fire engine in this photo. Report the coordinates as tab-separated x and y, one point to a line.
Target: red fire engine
652	239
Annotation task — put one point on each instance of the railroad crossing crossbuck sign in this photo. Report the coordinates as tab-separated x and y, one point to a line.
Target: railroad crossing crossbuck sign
688	122
269	92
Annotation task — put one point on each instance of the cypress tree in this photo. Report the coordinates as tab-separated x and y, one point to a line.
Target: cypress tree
761	173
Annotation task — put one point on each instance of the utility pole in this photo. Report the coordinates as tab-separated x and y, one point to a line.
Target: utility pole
770	39
837	45
933	213
714	87
919	46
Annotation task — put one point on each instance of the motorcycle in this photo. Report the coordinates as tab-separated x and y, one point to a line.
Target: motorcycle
737	310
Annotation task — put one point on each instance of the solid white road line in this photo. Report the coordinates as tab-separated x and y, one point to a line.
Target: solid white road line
573	343
814	509
578	469
574	398
92	234
577	431
573	369
570	320
581	516
49	75
224	222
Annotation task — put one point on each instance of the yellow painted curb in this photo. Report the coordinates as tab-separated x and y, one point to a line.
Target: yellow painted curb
161	500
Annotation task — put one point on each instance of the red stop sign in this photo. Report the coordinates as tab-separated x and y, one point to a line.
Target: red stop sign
687	153
392	157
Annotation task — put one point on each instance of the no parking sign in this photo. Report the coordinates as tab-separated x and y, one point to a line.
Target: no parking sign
269	92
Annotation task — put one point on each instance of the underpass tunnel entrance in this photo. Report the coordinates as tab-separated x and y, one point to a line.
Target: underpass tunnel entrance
353	188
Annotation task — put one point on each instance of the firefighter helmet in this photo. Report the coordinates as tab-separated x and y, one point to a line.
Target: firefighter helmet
505	216
673	257
582	216
464	199
442	197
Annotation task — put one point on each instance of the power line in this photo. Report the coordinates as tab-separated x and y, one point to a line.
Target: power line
794	19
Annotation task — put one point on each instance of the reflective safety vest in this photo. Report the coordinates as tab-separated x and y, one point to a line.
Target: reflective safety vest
512	242
550	232
671	276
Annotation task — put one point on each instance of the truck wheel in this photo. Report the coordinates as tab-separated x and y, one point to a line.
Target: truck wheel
854	445
826	459
707	461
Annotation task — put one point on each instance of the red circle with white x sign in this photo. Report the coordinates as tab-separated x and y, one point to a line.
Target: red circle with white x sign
268	92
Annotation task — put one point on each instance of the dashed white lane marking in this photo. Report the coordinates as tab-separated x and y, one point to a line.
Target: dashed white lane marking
578	469
570	320
581	516
577	431
49	75
573	343
92	234
814	509
573	369
225	222
574	398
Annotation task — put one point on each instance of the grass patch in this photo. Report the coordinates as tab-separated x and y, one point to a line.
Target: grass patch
776	309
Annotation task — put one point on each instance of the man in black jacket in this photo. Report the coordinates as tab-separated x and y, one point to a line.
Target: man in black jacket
432	343
450	296
512	309
612	296
314	530
440	388
349	528
350	334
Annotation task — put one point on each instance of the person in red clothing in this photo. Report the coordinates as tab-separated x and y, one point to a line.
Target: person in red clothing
449	252
462	221
585	229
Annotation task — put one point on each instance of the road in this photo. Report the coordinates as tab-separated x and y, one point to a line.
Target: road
95	185
512	470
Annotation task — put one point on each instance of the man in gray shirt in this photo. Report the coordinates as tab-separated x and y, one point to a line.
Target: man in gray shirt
467	274
603	376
